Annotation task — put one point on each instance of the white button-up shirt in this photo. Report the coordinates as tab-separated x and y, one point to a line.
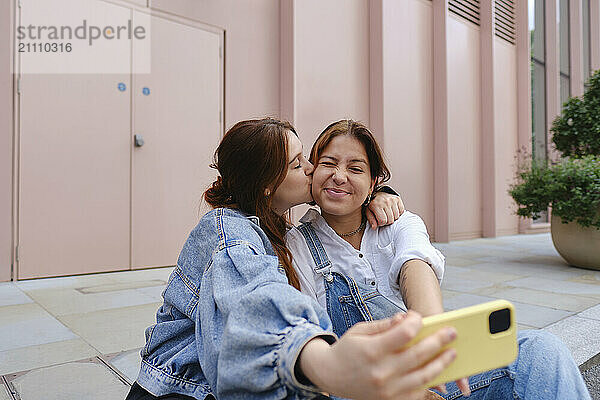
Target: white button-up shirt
383	252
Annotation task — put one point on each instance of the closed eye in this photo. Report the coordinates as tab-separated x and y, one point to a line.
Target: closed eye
327	163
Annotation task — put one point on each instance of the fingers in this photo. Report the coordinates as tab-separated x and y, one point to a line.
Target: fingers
463	385
427	373
400	205
377	326
371	218
396	211
389	215
398	336
441	389
426	349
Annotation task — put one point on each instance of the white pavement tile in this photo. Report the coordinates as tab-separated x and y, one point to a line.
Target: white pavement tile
115	330
565	287
29	325
154	292
65	301
473	274
526	314
72	381
540	298
538	317
455	283
464	300
128	363
4	393
141	275
580	335
44	355
64	282
591	313
11	295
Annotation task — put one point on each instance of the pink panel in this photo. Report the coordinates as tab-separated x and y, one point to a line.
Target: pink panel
6	135
464	124
506	114
74	175
408	102
176	110
331	58
252	51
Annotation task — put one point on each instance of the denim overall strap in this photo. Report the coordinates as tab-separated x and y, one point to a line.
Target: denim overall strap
317	251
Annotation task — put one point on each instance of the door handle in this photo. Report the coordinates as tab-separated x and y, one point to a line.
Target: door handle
138	140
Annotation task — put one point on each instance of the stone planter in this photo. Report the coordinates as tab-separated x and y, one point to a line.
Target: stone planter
579	246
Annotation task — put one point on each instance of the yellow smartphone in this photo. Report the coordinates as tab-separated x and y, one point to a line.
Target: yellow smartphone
486	338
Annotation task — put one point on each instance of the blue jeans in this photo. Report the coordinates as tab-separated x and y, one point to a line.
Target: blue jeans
543	370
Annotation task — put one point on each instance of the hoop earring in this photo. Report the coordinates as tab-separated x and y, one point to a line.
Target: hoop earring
368	200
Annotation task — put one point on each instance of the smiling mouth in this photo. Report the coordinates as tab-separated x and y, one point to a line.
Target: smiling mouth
336	192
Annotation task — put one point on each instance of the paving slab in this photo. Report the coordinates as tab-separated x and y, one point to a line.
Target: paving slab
128	363
539	297
43	355
562	287
458	284
591	313
72	381
538	317
461	300
460	261
161	273
4	393
11	295
115	330
473	274
580	335
29	325
64	282
64	301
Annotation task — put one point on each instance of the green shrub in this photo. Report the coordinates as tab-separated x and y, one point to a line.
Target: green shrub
576	132
571	187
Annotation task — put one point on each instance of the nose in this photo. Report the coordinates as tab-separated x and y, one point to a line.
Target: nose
339	176
308	168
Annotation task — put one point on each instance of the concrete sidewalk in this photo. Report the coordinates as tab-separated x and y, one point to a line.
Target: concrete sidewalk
79	337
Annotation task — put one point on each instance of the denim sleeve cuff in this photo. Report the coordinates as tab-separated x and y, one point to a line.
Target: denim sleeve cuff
293	343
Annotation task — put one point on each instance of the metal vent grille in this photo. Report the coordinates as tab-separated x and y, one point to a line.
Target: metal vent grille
504	17
467	9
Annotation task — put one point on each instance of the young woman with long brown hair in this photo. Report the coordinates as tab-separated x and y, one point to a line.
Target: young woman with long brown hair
233	324
360	275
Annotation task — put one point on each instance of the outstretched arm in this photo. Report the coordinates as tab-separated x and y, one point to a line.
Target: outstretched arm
420	288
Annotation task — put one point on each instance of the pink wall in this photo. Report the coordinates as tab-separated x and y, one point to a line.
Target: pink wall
506	145
6	134
251	51
464	130
408	102
331	61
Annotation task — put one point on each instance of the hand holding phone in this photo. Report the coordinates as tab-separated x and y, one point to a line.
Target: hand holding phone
486	339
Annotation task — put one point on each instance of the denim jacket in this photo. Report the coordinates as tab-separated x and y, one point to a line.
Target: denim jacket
230	324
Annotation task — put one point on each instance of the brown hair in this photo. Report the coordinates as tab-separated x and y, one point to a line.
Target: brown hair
379	170
253	156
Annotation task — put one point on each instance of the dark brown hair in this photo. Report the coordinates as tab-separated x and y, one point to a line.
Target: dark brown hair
253	156
379	170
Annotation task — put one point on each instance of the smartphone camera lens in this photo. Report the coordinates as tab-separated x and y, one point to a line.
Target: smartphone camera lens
499	321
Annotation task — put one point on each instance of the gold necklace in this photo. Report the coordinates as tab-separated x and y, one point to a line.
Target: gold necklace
354	232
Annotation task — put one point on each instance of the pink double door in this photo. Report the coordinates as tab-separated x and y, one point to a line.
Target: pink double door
89	198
